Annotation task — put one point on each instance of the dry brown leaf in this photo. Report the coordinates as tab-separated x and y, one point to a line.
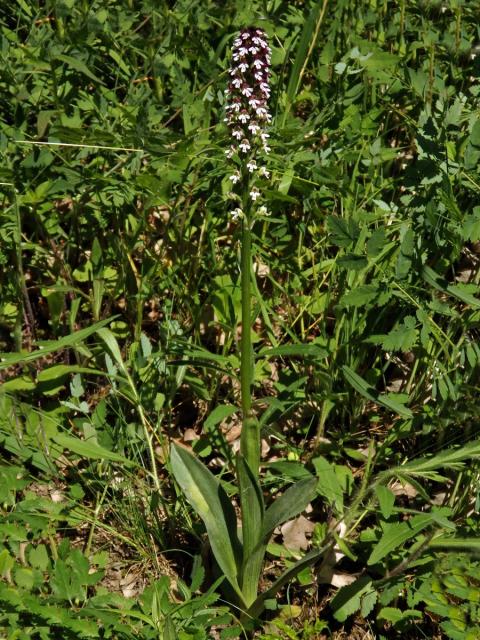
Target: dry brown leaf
295	532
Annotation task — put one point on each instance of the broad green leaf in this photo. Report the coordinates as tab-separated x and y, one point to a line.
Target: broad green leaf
218	414
289	505
107	336
397	533
394	615
360	385
386	500
87	449
253	508
352	262
328	483
360	296
204	492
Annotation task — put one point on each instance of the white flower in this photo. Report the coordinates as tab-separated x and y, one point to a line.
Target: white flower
262	112
244	117
258	64
229	152
235	177
254	50
243	67
251	166
263	211
237	133
266	148
264	173
236	213
253	102
237	83
247	91
264	136
254	127
255	193
242	52
258	76
245	145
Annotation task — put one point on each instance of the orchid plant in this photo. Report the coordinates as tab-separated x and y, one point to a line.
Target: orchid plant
240	550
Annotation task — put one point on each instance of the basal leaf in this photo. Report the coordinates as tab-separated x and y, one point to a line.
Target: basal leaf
289	504
204	492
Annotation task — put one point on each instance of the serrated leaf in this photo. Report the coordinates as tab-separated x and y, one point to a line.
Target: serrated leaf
343	233
348	599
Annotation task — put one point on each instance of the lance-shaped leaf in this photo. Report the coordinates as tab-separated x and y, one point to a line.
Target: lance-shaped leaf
208	498
288	505
253	509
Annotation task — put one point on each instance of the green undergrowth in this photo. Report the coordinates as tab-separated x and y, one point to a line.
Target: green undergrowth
120	303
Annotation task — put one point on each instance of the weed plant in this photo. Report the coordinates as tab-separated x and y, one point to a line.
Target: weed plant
121	303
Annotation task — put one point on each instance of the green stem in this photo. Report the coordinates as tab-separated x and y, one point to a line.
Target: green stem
250	438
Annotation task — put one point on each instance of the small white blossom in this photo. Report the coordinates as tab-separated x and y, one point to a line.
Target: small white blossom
247	91
245	145
238	134
243	67
255	193
263	211
235	177
236	213
264	172
244	117
258	64
251	166
254	127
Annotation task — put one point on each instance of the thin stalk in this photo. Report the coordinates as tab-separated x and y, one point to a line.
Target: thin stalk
250	438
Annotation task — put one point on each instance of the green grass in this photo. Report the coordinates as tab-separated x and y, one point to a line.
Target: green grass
120	301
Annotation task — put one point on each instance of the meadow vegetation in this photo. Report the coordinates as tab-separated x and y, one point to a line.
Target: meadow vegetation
121	307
